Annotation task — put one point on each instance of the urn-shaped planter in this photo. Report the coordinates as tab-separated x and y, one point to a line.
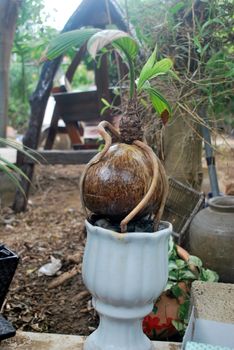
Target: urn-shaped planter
125	273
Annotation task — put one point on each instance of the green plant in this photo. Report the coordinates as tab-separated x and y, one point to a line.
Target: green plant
30	38
186	271
198	36
10	169
144	192
98	39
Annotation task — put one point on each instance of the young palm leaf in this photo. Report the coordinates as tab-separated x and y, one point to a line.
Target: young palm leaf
65	41
130	125
10	169
121	41
32	154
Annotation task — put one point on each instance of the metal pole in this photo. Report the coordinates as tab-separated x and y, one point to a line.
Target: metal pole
210	159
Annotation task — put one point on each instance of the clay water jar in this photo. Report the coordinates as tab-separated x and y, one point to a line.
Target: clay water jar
211	237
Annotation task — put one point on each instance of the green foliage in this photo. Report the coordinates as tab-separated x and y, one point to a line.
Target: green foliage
30	40
185	271
152	69
97	40
65	41
10	169
121	40
198	37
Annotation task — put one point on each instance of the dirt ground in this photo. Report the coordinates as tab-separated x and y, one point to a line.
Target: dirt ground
53	225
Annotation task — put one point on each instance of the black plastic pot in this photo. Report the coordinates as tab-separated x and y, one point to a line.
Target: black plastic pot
8	265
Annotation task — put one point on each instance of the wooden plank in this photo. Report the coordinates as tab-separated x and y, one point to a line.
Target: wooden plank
52	129
84	106
62	157
73	132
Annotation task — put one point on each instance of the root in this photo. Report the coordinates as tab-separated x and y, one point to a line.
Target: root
146	198
108	142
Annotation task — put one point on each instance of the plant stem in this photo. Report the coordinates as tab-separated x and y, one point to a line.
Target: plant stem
132	92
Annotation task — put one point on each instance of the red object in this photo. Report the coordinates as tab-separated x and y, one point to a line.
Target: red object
158	324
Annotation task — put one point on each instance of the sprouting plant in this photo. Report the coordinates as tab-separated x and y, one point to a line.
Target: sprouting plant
128	48
135	183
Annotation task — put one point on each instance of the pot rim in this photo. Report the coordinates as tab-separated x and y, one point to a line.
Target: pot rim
222	203
129	235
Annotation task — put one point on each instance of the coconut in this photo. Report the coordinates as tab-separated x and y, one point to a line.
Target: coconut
116	184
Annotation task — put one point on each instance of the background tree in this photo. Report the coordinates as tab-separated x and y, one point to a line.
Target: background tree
31	37
8	16
198	36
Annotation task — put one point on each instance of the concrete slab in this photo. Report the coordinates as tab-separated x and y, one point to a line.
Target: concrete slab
213	301
212	315
47	341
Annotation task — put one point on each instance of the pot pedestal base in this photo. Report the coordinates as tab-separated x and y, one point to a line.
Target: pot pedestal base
118	333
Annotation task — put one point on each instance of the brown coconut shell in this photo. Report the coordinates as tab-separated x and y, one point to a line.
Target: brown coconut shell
115	185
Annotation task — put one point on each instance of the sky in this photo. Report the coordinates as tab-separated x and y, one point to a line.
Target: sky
60	11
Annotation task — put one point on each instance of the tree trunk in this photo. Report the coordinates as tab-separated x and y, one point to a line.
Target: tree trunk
8	17
183	151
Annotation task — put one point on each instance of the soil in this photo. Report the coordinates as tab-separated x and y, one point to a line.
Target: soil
53	225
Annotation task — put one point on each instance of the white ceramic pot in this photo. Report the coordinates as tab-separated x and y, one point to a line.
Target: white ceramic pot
125	273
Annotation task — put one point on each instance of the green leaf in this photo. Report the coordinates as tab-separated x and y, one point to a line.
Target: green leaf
194	260
169	285
105	108
146	68
174	75
22	148
187	275
209	275
177	7
120	40
211	21
63	42
180	326
150	71
11	176
13	167
128	45
198	44
129	49
105	102
176	290
117	38
172	265
183	310
159	103
173	276
180	263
